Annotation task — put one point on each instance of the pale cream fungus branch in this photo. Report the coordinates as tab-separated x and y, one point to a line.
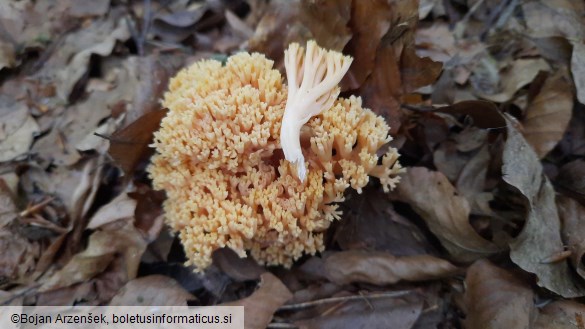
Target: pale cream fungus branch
312	77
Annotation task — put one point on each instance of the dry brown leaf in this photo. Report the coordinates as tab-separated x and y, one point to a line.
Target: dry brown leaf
372	224
552	18
382	91
8	210
367	312
262	304
572	216
541	237
521	73
129	145
152	290
369	23
571	179
120	240
436	42
417	72
562	314
484	114
287	21
17	130
121	207
89	8
382	268
70	61
549	113
7	54
445	212
18	257
239	269
494	298
578	69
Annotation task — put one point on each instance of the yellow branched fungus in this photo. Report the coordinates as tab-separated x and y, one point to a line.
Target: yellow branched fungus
221	162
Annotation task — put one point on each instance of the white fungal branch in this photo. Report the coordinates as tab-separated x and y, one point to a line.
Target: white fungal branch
313	77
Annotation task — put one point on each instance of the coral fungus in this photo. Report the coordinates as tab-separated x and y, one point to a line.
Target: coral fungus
221	163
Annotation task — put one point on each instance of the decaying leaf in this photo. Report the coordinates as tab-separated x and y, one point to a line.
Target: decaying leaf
495	299
572	216
367	312
287	21
119	240
121	207
373	224
578	70
562	314
548	115
382	268
18	258
521	73
153	290
571	179
540	238
70	62
262	304
446	213
129	145
369	24
17	130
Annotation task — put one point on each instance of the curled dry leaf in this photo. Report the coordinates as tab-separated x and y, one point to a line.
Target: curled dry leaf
120	240
382	268
369	23
541	236
152	290
17	130
19	256
571	179
129	145
445	213
372	224
70	62
367	312
121	207
578	70
549	113
324	21
573	219
558	18
562	314
521	73
495	299
262	304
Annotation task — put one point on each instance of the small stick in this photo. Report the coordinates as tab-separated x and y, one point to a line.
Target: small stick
299	306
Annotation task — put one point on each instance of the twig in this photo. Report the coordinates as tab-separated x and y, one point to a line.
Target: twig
299	306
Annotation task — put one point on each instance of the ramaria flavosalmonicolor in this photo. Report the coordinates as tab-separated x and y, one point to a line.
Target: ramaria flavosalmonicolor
221	157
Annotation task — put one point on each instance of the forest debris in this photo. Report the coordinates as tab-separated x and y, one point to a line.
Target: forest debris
152	290
578	69
69	63
548	114
120	240
368	310
495	298
572	216
17	130
262	304
520	73
540	238
382	268
561	314
445	212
